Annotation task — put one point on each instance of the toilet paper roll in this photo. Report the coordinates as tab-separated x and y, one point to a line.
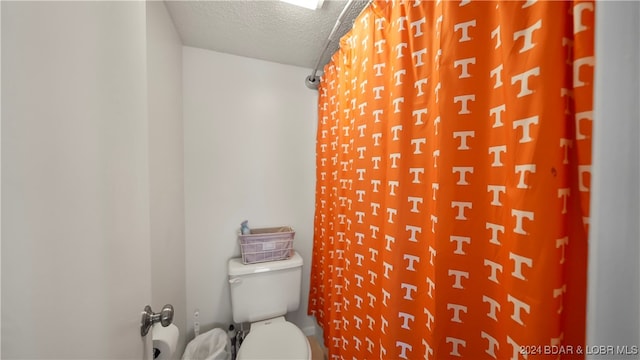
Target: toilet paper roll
165	340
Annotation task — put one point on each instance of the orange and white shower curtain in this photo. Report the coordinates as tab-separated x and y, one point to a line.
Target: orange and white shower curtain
453	175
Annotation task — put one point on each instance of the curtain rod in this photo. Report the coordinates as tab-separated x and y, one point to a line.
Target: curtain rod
313	81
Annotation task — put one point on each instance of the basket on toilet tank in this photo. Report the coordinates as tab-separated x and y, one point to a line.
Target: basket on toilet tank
266	244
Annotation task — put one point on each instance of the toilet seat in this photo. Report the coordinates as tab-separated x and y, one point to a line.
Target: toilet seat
275	340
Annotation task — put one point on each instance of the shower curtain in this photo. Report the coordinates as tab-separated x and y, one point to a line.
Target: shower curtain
453	175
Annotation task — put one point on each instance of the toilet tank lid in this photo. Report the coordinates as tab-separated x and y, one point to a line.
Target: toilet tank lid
236	267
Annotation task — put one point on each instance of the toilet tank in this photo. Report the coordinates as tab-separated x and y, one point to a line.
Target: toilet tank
264	290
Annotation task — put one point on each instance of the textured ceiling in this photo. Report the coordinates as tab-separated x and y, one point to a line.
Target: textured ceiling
268	29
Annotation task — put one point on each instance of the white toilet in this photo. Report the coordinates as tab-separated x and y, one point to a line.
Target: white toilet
262	294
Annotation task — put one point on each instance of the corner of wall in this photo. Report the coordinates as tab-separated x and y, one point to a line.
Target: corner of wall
613	313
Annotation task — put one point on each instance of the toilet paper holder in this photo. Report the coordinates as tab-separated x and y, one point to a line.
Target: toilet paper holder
164	317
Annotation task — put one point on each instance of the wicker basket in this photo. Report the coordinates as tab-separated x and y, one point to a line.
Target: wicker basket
266	244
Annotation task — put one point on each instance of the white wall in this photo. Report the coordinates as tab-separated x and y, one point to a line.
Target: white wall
166	165
249	128
0	182
75	180
614	250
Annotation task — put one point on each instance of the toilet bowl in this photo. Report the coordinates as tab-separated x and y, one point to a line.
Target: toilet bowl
275	339
262	294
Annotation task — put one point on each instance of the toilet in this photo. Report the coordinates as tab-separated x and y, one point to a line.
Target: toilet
262	294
